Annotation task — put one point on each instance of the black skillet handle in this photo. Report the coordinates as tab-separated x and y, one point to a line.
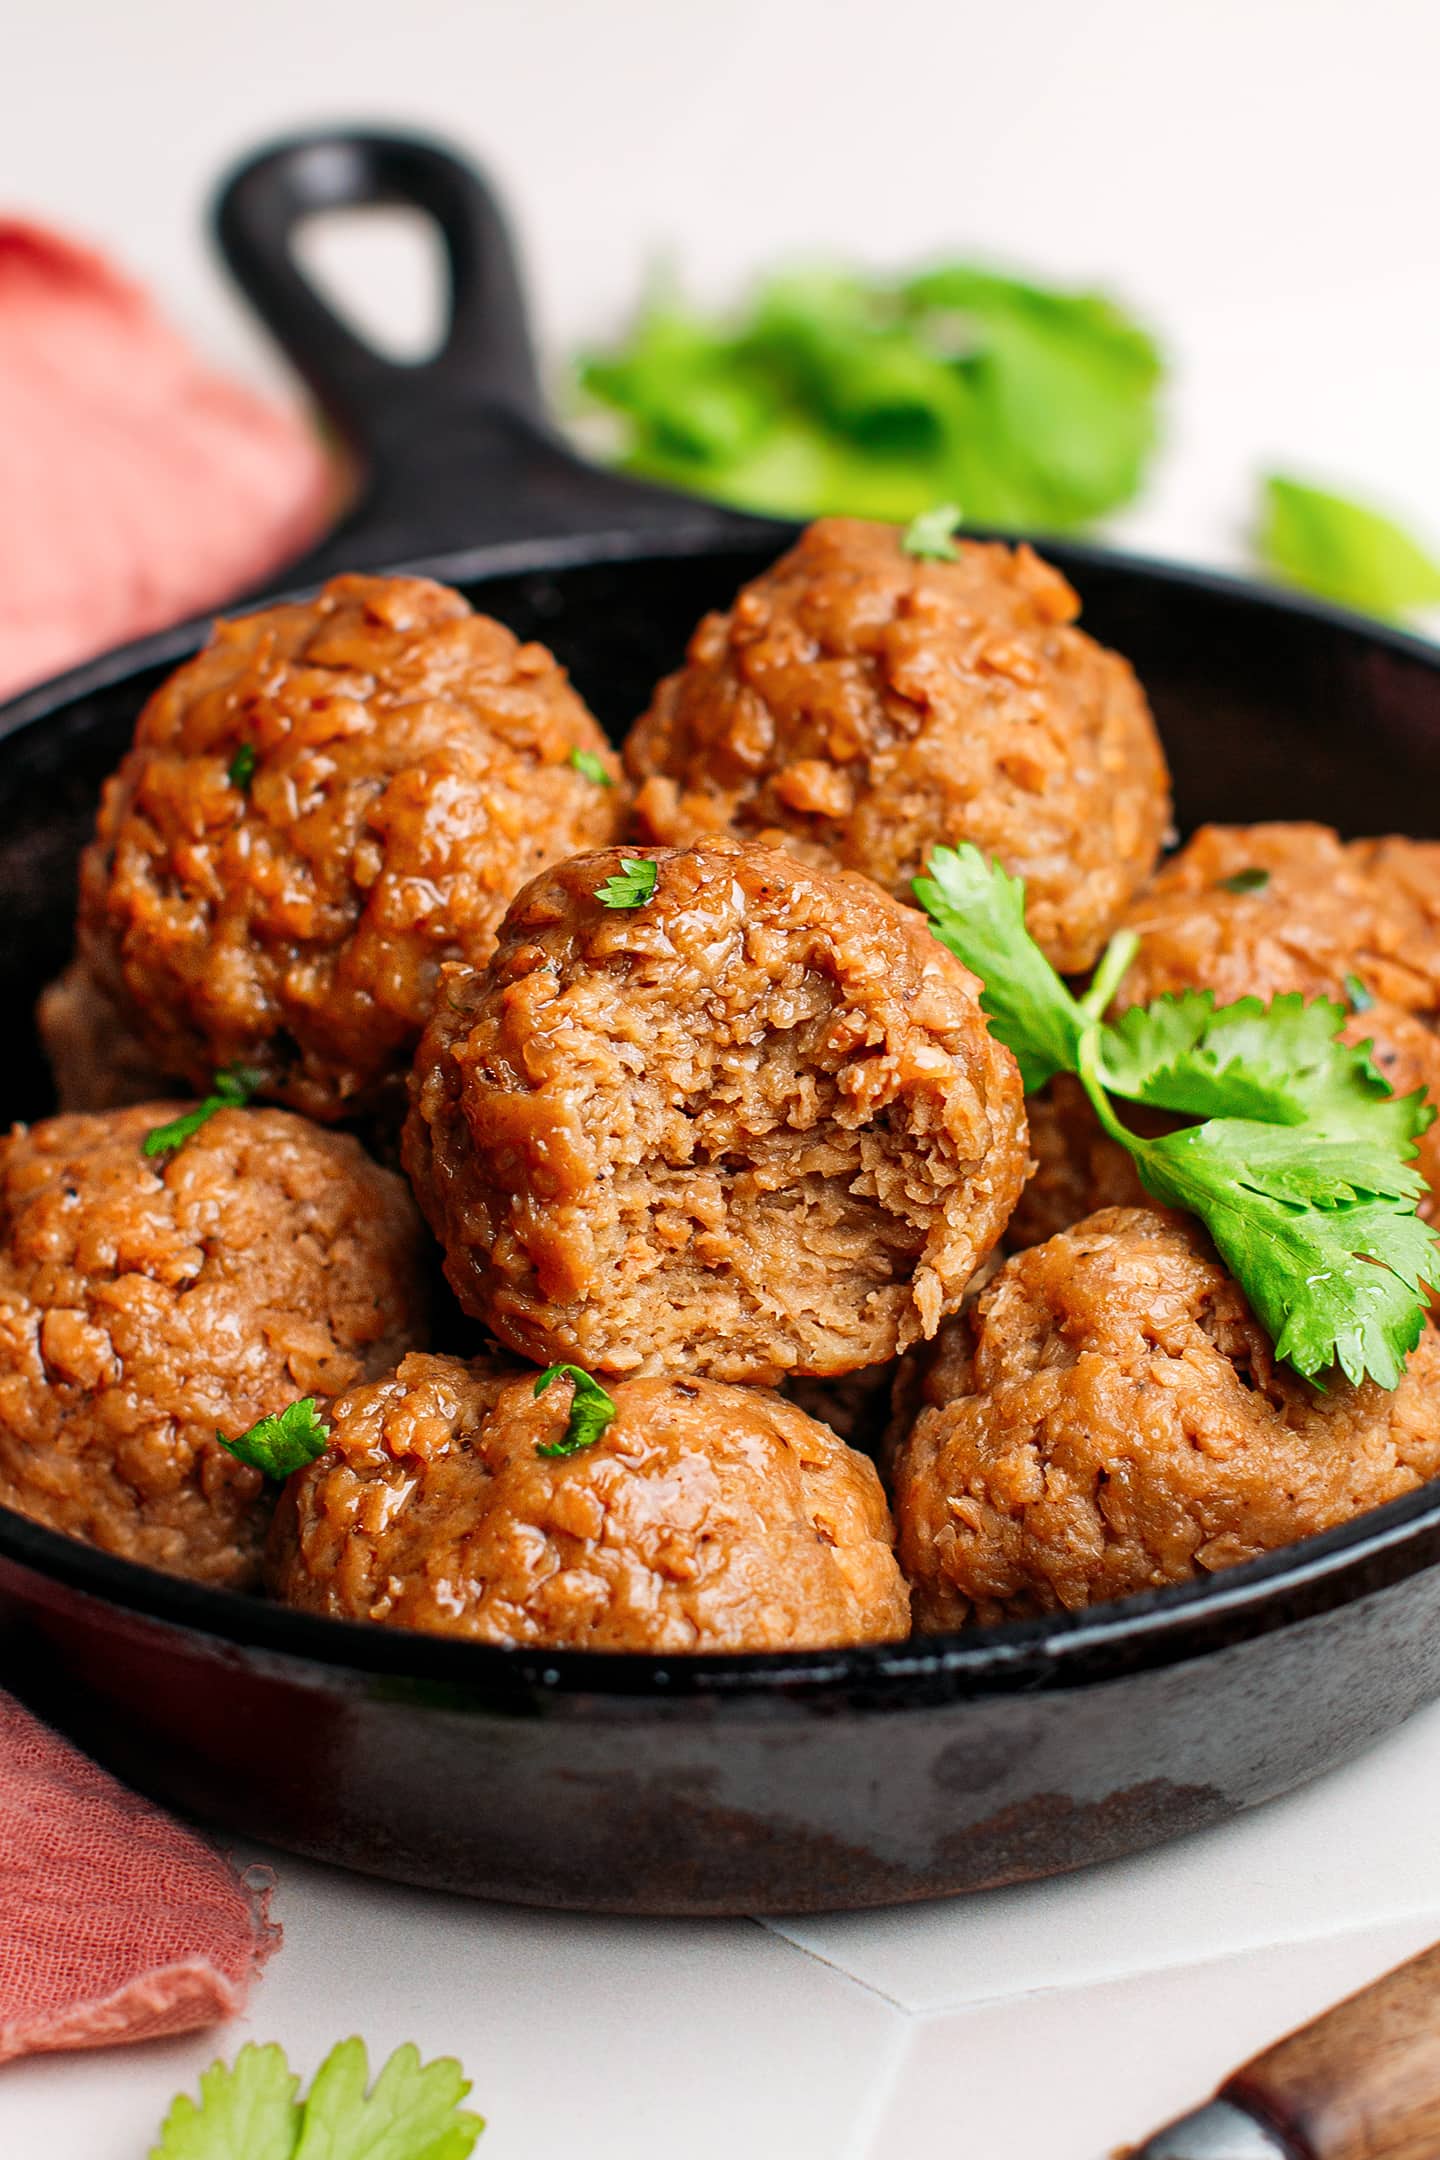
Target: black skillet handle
455	452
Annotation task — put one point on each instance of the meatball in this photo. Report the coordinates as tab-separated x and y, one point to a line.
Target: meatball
861	706
329	801
146	1303
97	1062
1262	911
1109	1416
754	1126
704	1518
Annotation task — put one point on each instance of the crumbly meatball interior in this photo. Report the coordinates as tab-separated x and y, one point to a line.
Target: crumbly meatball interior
1328	914
704	1518
411	768
145	1304
753	1127
862	706
1109	1416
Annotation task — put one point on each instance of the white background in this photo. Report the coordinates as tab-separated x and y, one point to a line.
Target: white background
1259	178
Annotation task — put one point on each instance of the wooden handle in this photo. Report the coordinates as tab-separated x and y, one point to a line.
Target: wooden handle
1363	2081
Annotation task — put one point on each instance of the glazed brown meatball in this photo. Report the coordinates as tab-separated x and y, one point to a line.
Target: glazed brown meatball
145	1303
98	1063
1328	915
411	770
862	706
704	1518
1109	1416
755	1126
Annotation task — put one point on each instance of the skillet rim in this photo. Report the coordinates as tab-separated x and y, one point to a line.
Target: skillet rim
1097	1643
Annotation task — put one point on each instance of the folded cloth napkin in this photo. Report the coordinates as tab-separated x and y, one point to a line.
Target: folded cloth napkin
136	485
116	1922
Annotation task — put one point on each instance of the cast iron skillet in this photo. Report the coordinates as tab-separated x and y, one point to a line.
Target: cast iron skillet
707	1784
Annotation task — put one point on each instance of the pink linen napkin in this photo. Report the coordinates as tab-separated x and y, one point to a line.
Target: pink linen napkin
136	485
116	1922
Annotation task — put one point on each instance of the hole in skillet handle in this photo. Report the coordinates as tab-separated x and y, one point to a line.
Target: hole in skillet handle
455	450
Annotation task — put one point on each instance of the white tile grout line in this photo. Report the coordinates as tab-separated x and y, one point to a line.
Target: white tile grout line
1113	1975
892	2002
860	2145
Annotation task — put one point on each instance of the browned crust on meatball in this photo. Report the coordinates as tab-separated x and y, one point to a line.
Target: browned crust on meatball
754	1127
1109	1417
1327	911
413	769
704	1518
145	1304
862	706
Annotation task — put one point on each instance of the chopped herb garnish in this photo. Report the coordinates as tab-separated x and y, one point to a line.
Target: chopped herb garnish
591	1410
1359	997
590	766
1251	879
931	536
284	1441
241	770
1301	1168
248	2110
230	1089
632	887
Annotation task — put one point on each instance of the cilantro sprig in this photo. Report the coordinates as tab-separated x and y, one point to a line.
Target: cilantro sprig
248	2110
591	1409
590	766
1300	1168
283	1442
631	886
241	769
930	537
230	1089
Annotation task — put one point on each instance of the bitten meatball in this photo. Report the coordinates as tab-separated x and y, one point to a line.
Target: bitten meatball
703	1518
146	1303
1109	1416
754	1126
329	801
862	707
1262	911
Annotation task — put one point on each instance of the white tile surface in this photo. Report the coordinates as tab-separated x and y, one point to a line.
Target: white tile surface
1257	174
710	2040
1072	2073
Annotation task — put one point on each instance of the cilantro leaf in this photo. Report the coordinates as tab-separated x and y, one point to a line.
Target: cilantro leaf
1344	551
591	766
977	911
412	2111
246	2111
1359	998
1251	879
833	392
632	886
241	769
1322	1237
591	1409
1301	1170
930	537
283	1442
230	1089
1280	1062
